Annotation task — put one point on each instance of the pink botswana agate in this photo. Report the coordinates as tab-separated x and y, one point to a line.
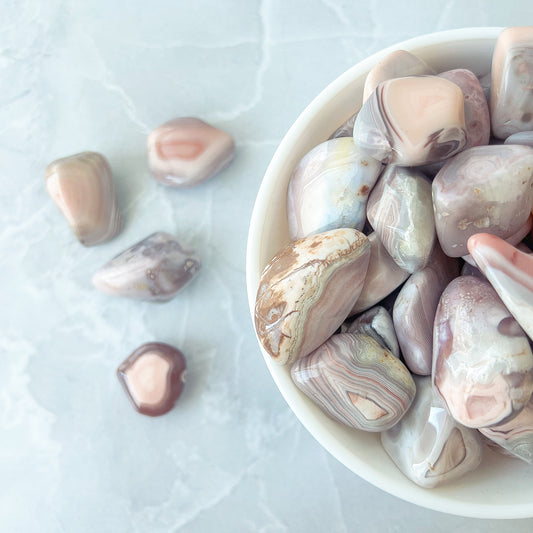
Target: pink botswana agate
186	151
482	361
356	381
307	290
153	377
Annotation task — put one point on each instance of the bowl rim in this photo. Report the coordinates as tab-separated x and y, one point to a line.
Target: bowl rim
428	498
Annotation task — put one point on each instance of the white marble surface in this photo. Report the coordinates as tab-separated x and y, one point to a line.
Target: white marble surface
231	457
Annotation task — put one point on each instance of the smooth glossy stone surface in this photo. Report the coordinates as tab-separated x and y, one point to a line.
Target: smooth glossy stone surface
482	362
154	269
356	381
329	188
522	137
397	64
401	212
346	129
511	104
377	323
307	290
428	445
415	308
82	187
412	121
382	277
153	377
516	436
477	118
186	151
485	189
510	272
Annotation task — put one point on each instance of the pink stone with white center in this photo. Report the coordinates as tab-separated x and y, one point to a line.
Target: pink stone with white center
186	151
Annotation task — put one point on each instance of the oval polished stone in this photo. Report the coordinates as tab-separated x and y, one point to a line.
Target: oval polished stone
428	445
485	189
401	212
510	272
515	436
477	118
511	104
186	151
522	137
154	269
383	276
82	187
482	361
153	377
307	290
356	381
412	121
377	323
329	188
415	308
397	64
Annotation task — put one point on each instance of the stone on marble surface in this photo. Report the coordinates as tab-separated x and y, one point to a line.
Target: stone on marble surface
397	64
428	445
401	212
329	188
415	308
346	129
522	137
510	272
186	151
515	436
382	276
82	187
482	361
307	290
412	121
153	377
356	381
377	323
477	118
154	269
511	103
483	189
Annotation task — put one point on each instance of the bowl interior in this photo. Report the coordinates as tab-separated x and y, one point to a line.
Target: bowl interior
500	487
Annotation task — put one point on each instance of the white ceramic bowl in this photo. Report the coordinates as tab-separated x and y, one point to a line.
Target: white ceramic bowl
500	487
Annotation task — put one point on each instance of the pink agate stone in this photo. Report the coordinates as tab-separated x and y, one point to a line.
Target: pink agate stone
153	377
511	104
510	272
482	361
186	151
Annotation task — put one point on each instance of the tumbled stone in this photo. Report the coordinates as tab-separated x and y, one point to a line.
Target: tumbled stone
397	64
522	137
307	290
482	361
515	436
153	377
477	118
400	210
510	272
186	151
382	276
412	121
356	381
415	308
377	323
82	187
511	104
428	445
329	188
483	189
154	269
